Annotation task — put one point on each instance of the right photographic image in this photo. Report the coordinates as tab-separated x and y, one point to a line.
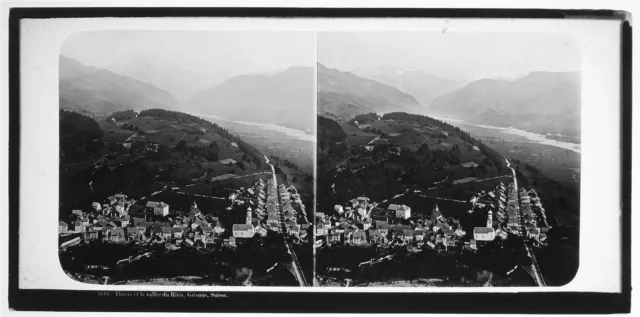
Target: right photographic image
447	159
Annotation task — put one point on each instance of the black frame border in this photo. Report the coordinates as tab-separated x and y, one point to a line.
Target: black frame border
289	302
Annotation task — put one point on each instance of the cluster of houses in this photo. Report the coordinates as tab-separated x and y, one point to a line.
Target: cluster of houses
505	201
534	229
265	216
363	223
156	223
110	223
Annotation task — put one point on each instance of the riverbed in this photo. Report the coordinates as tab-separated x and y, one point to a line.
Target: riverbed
510	132
271	130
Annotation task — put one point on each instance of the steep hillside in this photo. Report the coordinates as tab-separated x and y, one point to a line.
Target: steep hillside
151	152
540	102
101	92
423	86
343	95
285	98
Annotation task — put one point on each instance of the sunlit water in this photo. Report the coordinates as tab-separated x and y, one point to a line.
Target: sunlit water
534	137
289	132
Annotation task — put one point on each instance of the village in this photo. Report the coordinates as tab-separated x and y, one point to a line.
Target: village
493	217
251	212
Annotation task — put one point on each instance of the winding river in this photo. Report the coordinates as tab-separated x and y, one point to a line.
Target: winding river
530	136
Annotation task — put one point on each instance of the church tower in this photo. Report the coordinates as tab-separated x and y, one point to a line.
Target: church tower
490	219
248	219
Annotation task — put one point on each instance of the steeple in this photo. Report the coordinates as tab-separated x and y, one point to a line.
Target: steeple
248	219
490	219
194	205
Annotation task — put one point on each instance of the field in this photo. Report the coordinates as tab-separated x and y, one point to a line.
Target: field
356	136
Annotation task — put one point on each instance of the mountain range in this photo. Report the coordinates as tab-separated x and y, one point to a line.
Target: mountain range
541	102
285	98
83	88
179	82
423	86
343	95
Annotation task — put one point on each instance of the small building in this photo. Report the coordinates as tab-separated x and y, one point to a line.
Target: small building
125	221
375	236
159	208
402	211
79	227
96	206
359	237
117	235
334	237
243	231
90	235
62	227
484	234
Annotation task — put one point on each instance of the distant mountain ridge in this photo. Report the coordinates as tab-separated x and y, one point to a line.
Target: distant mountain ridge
541	102
179	82
101	92
343	95
423	86
285	98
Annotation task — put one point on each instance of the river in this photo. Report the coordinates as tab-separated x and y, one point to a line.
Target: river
530	136
259	128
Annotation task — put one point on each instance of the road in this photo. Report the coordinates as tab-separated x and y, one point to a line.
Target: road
535	269
295	264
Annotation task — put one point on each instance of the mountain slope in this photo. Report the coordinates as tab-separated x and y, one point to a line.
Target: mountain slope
179	82
344	95
83	88
423	86
541	102
285	98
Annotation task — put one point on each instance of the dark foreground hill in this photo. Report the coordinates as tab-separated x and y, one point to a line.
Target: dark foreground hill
145	153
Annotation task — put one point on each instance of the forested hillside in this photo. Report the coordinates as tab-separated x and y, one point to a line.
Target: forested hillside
80	137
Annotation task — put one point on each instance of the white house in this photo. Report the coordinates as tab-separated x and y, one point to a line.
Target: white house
484	234
243	231
403	212
159	209
338	209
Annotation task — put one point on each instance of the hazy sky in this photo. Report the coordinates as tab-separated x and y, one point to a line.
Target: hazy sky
200	51
460	56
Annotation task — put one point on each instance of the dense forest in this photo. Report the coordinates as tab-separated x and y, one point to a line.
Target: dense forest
330	141
80	138
247	148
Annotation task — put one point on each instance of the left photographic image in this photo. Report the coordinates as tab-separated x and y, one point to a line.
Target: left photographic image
187	157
